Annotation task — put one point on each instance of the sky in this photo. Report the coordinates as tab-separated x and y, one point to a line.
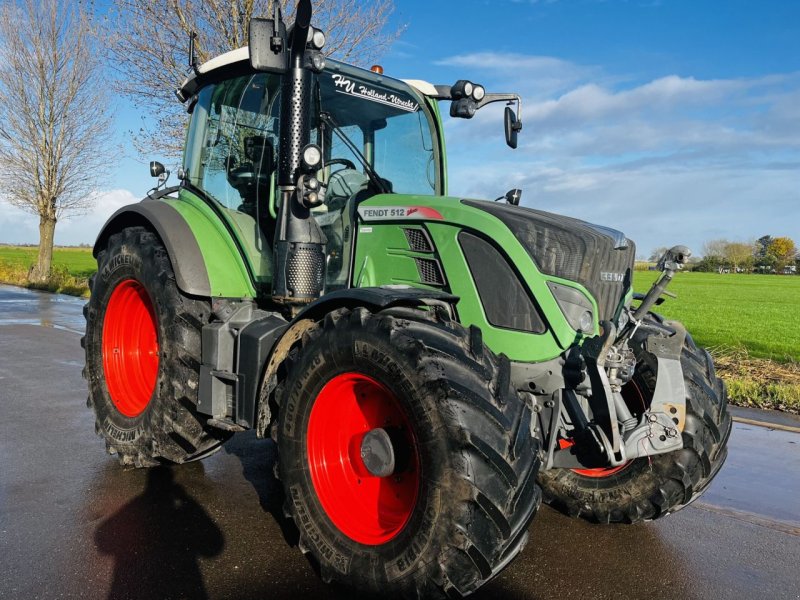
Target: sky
673	121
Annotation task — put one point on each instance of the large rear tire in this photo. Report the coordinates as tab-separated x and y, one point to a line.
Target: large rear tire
143	356
456	507
649	488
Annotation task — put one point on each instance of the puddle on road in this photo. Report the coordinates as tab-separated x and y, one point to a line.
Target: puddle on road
19	306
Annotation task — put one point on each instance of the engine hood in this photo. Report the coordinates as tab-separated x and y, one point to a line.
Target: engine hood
599	258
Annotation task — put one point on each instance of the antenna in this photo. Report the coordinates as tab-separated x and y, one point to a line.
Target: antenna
192	56
276	41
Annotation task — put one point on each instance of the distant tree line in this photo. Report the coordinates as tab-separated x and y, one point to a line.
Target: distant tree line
767	254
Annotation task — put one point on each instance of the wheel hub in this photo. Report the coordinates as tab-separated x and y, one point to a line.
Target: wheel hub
377	453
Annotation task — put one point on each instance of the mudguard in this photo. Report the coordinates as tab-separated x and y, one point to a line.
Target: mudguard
205	262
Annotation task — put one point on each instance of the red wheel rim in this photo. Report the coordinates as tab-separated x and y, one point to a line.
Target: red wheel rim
130	348
635	400
368	509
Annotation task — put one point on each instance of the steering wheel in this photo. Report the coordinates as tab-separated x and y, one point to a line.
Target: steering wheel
348	164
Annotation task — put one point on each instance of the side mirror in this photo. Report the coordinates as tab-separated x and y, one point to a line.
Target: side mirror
156	169
512	126
514	196
269	48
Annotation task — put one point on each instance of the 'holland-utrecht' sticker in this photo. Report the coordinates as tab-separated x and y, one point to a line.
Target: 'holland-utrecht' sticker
393	213
354	88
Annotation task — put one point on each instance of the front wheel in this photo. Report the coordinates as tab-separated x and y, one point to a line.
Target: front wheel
651	487
143	356
406	456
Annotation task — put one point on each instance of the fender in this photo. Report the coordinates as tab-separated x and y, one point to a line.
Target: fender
194	244
264	342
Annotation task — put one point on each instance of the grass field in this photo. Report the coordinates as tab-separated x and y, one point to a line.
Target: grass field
78	261
760	313
71	268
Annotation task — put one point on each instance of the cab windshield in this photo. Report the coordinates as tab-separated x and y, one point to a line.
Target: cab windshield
387	126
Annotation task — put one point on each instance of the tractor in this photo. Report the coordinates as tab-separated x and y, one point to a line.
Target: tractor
431	368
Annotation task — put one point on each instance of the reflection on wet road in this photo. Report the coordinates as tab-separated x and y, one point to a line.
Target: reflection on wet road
73	524
19	306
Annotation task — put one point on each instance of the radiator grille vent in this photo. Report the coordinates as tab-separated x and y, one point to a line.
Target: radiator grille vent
418	240
430	271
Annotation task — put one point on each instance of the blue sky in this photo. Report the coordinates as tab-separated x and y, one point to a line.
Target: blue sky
674	121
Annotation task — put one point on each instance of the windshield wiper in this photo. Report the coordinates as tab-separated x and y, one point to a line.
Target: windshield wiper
376	180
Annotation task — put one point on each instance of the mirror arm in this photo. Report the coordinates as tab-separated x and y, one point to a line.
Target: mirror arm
509	99
444	92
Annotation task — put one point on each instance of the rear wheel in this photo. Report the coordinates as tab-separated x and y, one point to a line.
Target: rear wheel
652	487
143	356
406	456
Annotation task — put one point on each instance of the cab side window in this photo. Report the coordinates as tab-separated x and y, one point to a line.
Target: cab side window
231	156
233	141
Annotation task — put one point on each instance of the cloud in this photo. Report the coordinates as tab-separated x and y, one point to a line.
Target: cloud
669	159
18	227
544	75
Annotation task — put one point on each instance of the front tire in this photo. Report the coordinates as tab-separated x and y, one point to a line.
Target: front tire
142	348
455	507
651	487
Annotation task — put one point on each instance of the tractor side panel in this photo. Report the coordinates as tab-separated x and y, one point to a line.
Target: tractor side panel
386	255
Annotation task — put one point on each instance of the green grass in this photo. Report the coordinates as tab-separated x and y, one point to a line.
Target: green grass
79	262
71	269
757	313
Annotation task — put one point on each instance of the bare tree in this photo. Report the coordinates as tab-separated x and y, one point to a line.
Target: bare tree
54	120
740	255
657	253
715	248
149	40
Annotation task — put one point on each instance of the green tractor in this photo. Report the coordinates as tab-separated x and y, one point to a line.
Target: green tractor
429	367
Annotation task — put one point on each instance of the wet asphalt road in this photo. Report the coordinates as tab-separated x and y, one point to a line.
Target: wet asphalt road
73	524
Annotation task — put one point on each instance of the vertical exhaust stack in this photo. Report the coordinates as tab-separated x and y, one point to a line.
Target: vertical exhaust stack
299	251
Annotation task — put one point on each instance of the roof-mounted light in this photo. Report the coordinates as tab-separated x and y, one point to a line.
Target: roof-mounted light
376	69
317	39
464	89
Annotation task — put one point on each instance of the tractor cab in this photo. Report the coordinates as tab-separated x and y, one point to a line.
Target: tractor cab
375	135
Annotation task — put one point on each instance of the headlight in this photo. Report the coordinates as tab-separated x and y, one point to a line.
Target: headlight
312	157
577	308
479	93
318	40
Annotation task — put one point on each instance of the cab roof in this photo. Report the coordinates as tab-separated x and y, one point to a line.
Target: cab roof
237	62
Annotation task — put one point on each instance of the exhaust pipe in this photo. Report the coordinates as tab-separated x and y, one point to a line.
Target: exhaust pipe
299	248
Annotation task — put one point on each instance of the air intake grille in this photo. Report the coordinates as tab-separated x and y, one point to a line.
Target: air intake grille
430	271
418	240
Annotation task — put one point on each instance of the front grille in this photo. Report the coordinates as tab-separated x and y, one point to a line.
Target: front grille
418	240
430	271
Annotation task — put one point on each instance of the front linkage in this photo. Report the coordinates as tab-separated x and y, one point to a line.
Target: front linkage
581	398
599	370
